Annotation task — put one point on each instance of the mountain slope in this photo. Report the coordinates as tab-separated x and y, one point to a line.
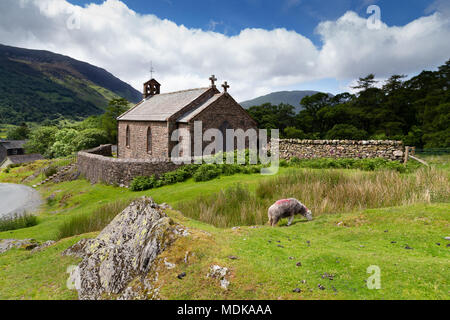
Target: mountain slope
37	85
288	97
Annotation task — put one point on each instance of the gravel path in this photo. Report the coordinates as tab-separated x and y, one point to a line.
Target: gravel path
17	199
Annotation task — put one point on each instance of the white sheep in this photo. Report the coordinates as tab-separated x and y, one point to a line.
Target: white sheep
287	208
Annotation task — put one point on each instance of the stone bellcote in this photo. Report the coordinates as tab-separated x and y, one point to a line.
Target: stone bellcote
151	88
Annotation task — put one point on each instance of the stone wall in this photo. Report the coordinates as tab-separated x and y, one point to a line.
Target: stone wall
138	148
309	149
96	166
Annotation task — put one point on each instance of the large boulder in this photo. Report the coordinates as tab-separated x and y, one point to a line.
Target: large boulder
118	263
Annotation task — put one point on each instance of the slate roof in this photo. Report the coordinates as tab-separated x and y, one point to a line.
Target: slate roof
12	144
25	158
185	118
160	107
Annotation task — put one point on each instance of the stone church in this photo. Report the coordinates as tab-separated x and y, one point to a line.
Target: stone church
145	131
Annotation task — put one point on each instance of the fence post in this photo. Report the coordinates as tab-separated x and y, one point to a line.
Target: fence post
406	154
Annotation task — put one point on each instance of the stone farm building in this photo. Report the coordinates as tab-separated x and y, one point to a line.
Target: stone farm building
145	131
13	152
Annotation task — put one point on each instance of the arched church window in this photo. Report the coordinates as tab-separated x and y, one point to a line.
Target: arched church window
149	140
128	136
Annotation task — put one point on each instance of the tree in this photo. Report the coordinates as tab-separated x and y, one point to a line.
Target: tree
366	82
89	138
41	140
294	133
313	104
109	119
346	131
64	143
18	133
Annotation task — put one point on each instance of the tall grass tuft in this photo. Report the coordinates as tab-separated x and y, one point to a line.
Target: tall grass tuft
92	222
323	191
18	222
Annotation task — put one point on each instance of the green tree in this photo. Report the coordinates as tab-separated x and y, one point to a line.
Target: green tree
41	140
18	133
64	143
89	138
294	133
109	119
346	131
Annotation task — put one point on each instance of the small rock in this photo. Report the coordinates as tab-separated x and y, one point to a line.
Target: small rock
326	275
181	275
303	281
448	245
438	244
233	258
297	290
218	272
43	246
224	283
393	241
321	287
291	258
447	238
408	247
169	265
386	231
299	264
280	246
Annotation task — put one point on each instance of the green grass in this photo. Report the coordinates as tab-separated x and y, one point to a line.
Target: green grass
19	222
92	222
323	191
341	243
344	245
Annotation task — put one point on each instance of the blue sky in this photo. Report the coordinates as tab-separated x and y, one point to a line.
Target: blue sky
258	46
232	16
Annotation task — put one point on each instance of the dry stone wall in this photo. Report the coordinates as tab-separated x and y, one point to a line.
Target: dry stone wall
310	149
97	166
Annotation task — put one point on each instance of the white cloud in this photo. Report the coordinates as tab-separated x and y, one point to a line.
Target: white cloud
255	61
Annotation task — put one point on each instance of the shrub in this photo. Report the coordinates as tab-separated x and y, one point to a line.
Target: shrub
207	172
143	183
50	171
92	222
18	222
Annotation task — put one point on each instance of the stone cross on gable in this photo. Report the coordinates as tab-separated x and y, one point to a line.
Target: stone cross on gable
213	80
225	86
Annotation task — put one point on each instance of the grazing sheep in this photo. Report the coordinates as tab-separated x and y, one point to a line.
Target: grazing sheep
287	208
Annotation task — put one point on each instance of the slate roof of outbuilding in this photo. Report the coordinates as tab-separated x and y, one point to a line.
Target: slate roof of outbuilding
13	144
160	107
25	158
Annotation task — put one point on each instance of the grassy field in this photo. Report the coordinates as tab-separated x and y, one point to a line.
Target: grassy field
340	243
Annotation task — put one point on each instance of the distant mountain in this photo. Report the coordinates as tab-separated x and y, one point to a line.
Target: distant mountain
288	97
37	85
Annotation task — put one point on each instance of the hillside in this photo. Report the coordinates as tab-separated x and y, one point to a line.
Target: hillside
275	98
326	258
37	85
